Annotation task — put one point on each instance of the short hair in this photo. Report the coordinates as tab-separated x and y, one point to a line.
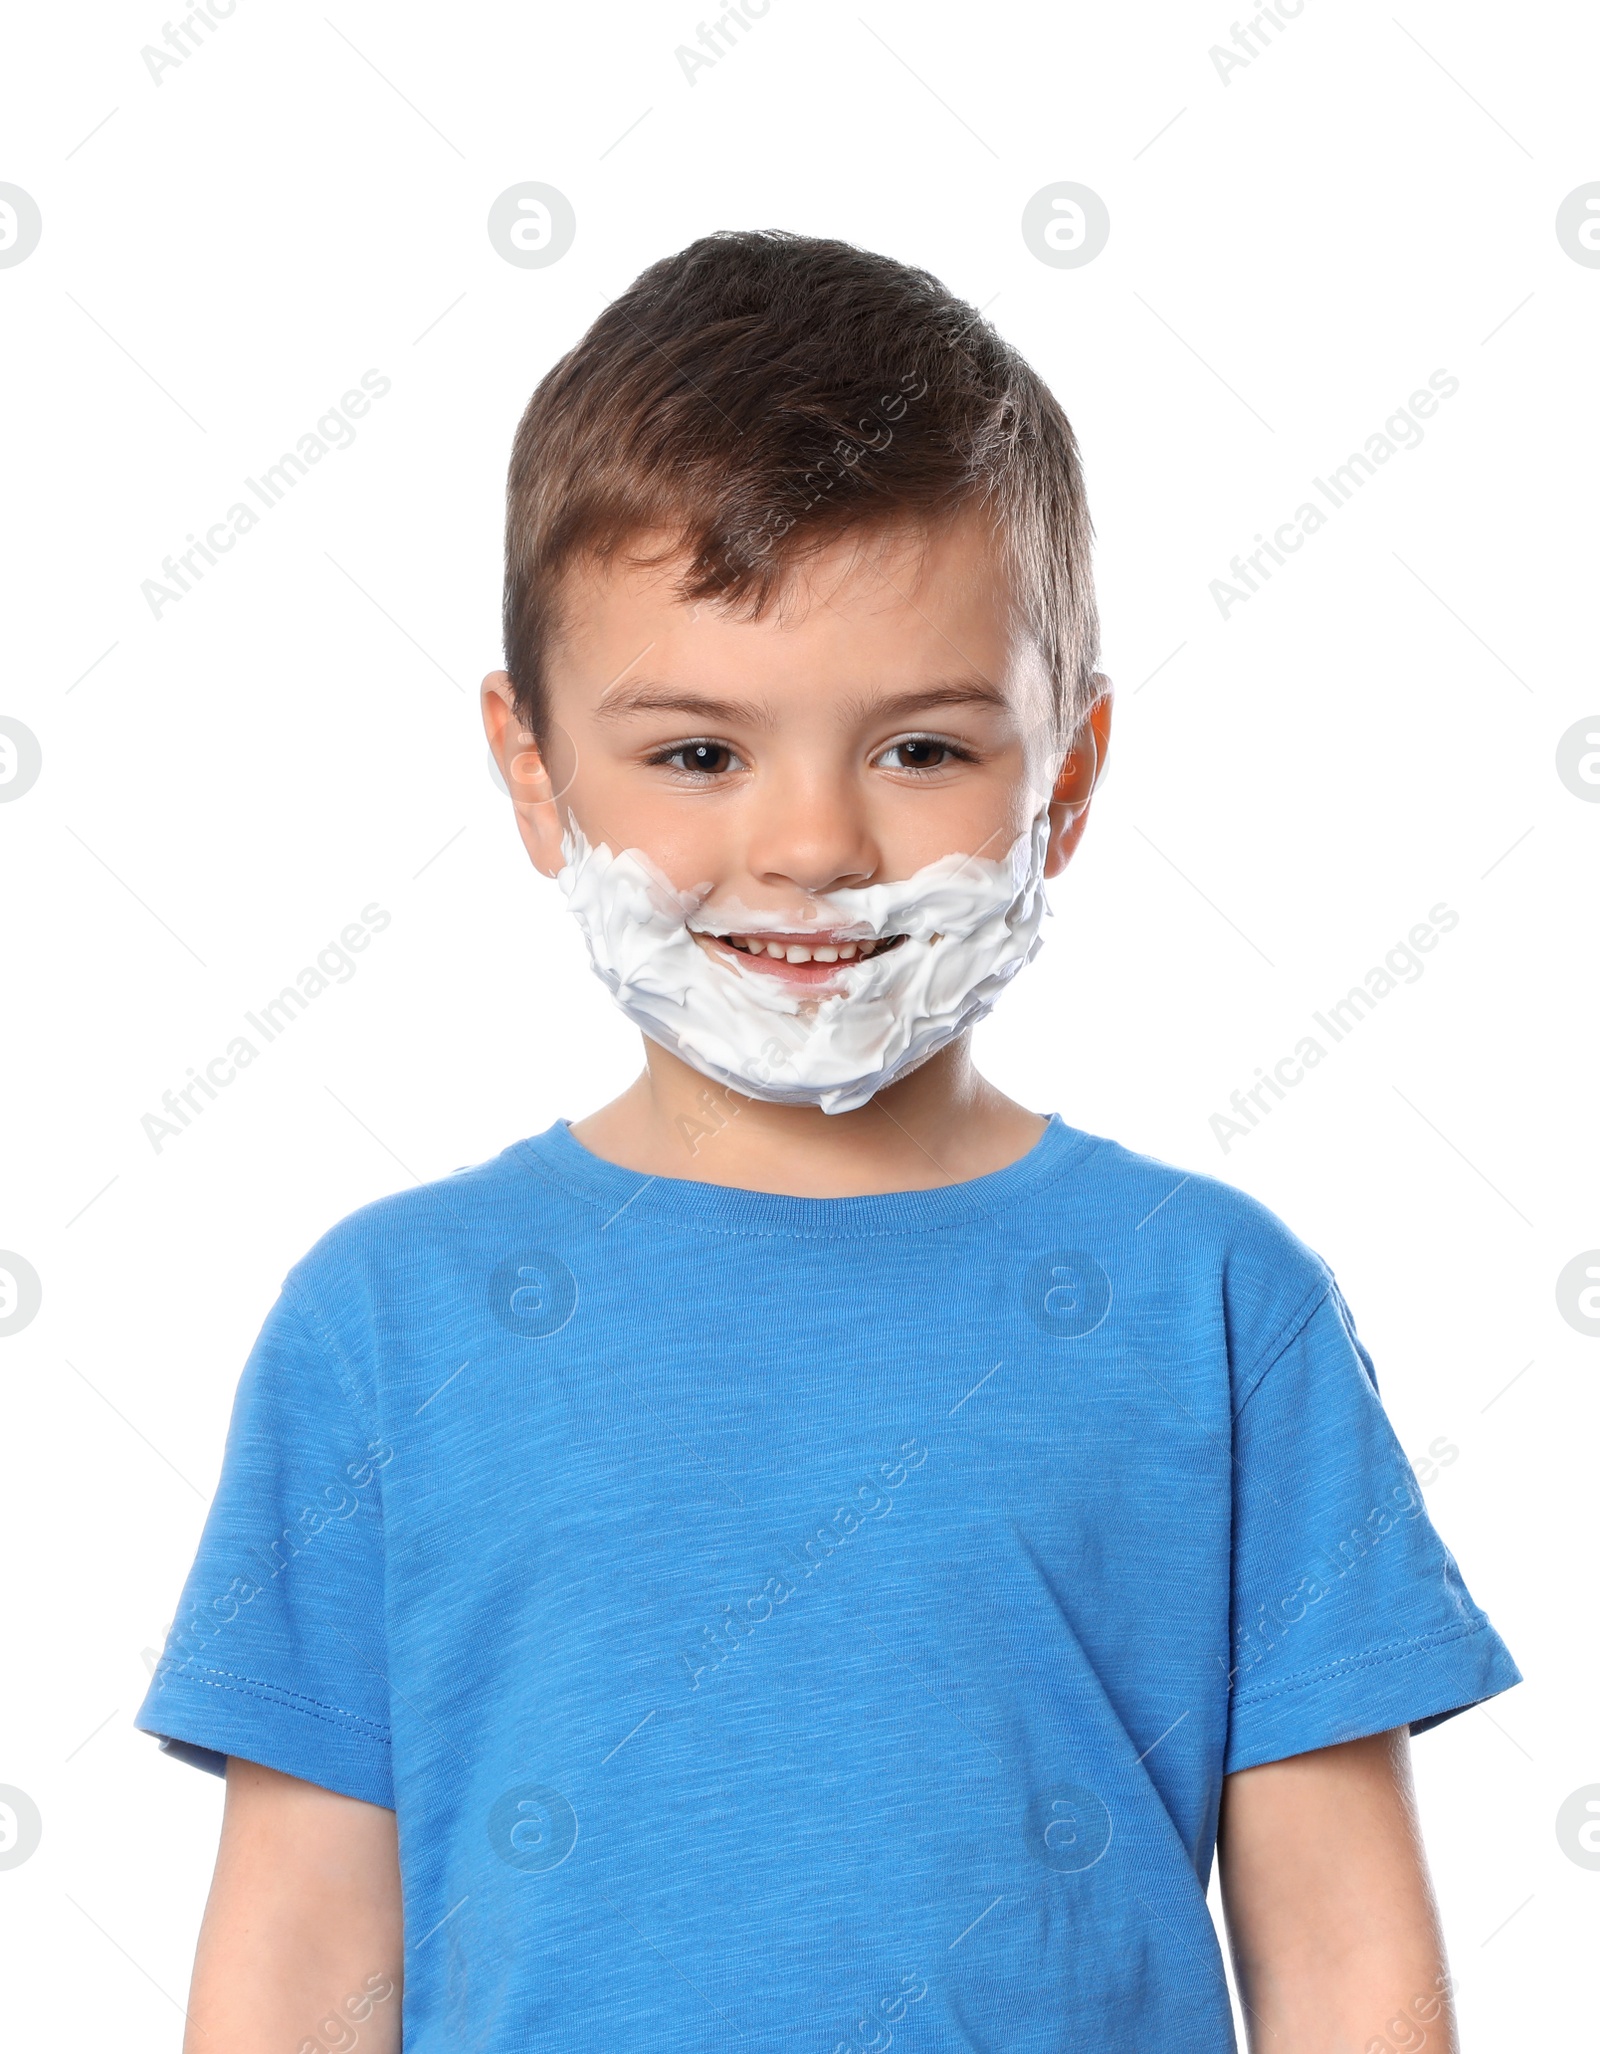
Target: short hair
762	394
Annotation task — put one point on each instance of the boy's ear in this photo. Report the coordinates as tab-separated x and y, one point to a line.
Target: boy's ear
527	777
1081	770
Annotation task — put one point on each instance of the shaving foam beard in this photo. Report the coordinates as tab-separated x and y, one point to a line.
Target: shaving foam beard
969	925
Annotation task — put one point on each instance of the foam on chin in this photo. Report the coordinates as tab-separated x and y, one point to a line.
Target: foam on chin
970	925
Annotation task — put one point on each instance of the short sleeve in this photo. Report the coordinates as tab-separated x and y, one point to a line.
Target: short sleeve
276	1653
1349	1614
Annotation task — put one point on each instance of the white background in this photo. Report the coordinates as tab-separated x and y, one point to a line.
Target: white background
1292	252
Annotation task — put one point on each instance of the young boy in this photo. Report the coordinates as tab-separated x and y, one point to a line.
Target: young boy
815	1554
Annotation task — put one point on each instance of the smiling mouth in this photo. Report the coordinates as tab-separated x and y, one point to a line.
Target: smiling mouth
809	959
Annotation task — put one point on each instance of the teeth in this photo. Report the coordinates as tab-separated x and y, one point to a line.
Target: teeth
800	952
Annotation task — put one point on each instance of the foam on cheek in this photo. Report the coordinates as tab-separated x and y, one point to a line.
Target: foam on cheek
970	925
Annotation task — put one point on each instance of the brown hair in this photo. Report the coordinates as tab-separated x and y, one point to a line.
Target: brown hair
760	394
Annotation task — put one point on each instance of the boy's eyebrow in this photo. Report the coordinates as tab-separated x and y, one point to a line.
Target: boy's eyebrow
646	698
956	691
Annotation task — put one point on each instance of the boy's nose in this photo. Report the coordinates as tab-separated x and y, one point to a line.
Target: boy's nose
812	840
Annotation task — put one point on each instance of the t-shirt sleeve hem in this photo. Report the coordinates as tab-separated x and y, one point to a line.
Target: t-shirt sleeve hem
1417	1683
212	1714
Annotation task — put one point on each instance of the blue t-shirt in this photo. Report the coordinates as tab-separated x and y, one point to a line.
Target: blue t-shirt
811	1623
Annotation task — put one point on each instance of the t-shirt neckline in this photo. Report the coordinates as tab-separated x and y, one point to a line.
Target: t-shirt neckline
722	1208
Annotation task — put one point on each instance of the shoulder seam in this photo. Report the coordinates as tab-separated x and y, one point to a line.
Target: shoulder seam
1279	1344
323	1338
528	1156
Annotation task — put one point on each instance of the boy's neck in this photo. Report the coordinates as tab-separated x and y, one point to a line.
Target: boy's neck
943	1124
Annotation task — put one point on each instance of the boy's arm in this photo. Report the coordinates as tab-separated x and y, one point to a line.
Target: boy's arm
1331	1919
301	1945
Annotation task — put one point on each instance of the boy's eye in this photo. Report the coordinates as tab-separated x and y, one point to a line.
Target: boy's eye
704	759
921	752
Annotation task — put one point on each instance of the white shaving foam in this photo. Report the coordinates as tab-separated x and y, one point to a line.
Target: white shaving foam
970	925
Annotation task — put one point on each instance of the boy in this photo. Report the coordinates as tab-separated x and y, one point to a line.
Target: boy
814	1553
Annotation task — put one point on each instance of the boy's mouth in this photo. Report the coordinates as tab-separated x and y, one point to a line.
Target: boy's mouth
799	958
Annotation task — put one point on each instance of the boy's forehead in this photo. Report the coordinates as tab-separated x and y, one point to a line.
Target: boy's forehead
897	605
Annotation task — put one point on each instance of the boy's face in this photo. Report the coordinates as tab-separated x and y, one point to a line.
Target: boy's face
884	713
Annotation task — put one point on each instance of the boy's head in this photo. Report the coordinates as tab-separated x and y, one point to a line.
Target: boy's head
757	397
798	604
